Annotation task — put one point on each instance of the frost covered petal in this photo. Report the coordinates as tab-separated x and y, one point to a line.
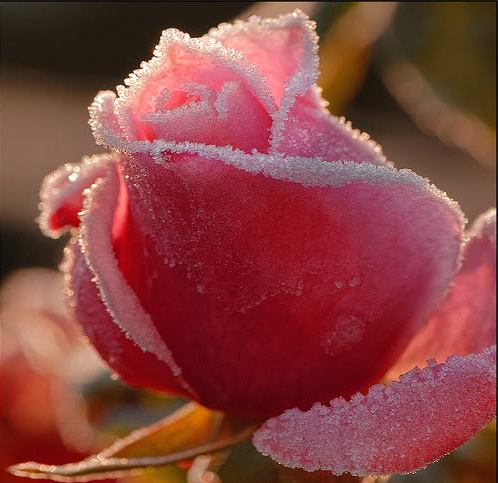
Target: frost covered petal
257	261
192	89
284	49
395	429
104	206
119	352
308	132
465	321
62	193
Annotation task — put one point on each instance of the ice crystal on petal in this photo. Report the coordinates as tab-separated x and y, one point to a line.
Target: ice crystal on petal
395	429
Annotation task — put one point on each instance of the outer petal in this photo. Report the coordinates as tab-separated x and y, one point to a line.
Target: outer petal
465	321
309	132
62	193
242	268
122	355
396	429
97	282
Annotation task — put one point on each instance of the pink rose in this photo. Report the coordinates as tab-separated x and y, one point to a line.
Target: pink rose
242	247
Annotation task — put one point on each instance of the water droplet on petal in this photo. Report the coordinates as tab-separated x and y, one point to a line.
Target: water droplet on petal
354	282
345	333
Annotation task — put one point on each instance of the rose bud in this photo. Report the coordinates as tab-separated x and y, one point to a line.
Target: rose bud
244	248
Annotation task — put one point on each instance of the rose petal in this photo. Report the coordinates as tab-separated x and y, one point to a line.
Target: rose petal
173	88
239	262
312	133
99	220
118	351
465	321
395	429
242	122
235	118
283	48
62	193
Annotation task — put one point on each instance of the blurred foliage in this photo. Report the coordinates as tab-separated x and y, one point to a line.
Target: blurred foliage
453	45
438	59
347	32
172	443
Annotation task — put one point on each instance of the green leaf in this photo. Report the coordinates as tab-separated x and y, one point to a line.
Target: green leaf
189	432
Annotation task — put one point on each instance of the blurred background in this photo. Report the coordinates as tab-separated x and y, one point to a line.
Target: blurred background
420	78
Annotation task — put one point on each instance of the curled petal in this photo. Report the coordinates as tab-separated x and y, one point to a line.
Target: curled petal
284	49
176	88
105	205
238	260
119	351
395	429
62	193
233	117
241	120
465	321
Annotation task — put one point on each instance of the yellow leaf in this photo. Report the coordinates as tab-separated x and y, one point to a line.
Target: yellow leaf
191	431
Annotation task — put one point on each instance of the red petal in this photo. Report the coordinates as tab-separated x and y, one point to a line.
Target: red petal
122	355
396	429
312	133
244	272
102	217
465	321
62	193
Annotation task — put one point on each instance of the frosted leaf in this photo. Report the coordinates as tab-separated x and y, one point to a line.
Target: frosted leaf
395	429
